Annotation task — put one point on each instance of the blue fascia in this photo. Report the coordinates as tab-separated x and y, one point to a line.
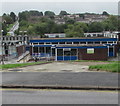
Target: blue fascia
73	40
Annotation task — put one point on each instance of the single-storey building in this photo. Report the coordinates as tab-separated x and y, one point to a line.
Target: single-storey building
61	49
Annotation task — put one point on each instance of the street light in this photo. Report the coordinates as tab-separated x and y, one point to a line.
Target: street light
2	59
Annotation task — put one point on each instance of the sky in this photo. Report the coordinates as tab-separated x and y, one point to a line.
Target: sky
71	6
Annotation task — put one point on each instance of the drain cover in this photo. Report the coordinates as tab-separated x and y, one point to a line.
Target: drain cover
67	70
16	70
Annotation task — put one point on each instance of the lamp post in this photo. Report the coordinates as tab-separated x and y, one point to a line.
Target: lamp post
2	59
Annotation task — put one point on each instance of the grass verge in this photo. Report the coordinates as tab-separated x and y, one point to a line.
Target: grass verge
7	66
111	67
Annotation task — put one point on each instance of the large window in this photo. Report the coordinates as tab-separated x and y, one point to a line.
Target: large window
35	49
48	49
73	52
41	49
59	52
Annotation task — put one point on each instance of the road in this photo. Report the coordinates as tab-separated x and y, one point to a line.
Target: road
101	79
58	97
15	27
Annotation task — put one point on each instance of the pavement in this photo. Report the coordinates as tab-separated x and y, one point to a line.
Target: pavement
25	96
72	75
61	79
58	67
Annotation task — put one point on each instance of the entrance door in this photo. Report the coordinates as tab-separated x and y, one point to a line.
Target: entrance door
111	51
67	55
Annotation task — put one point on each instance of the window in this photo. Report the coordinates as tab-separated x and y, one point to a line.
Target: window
68	42
104	42
90	42
35	49
73	52
48	49
82	42
48	43
41	43
54	42
62	43
41	50
90	51
59	52
76	42
97	42
35	43
110	42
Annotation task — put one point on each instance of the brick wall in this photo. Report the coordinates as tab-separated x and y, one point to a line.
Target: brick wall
99	54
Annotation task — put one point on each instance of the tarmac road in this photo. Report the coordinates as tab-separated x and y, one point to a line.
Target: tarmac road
103	79
58	97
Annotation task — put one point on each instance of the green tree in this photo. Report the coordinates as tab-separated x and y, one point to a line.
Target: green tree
74	31
63	13
23	16
35	13
4	28
84	26
105	13
111	24
96	27
49	13
8	19
13	16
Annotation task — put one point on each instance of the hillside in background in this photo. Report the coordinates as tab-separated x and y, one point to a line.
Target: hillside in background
37	23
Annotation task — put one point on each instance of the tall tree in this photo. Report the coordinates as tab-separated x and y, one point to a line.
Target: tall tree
96	27
8	19
105	13
13	16
35	13
49	13
74	31
63	13
4	29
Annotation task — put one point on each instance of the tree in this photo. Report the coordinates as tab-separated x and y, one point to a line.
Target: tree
111	24
49	13
4	28
105	13
8	19
35	13
96	27
23	15
63	13
70	21
74	31
84	26
13	16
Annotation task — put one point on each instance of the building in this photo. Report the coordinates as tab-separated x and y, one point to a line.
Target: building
55	35
61	49
13	45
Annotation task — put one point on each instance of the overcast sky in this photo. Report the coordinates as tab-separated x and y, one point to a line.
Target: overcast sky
78	6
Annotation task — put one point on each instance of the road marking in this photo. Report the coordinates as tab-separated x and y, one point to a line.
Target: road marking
56	90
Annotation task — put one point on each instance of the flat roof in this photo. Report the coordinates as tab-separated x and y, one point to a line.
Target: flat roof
83	39
69	38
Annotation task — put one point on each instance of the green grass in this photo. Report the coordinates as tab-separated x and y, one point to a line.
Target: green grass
7	66
111	67
10	26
